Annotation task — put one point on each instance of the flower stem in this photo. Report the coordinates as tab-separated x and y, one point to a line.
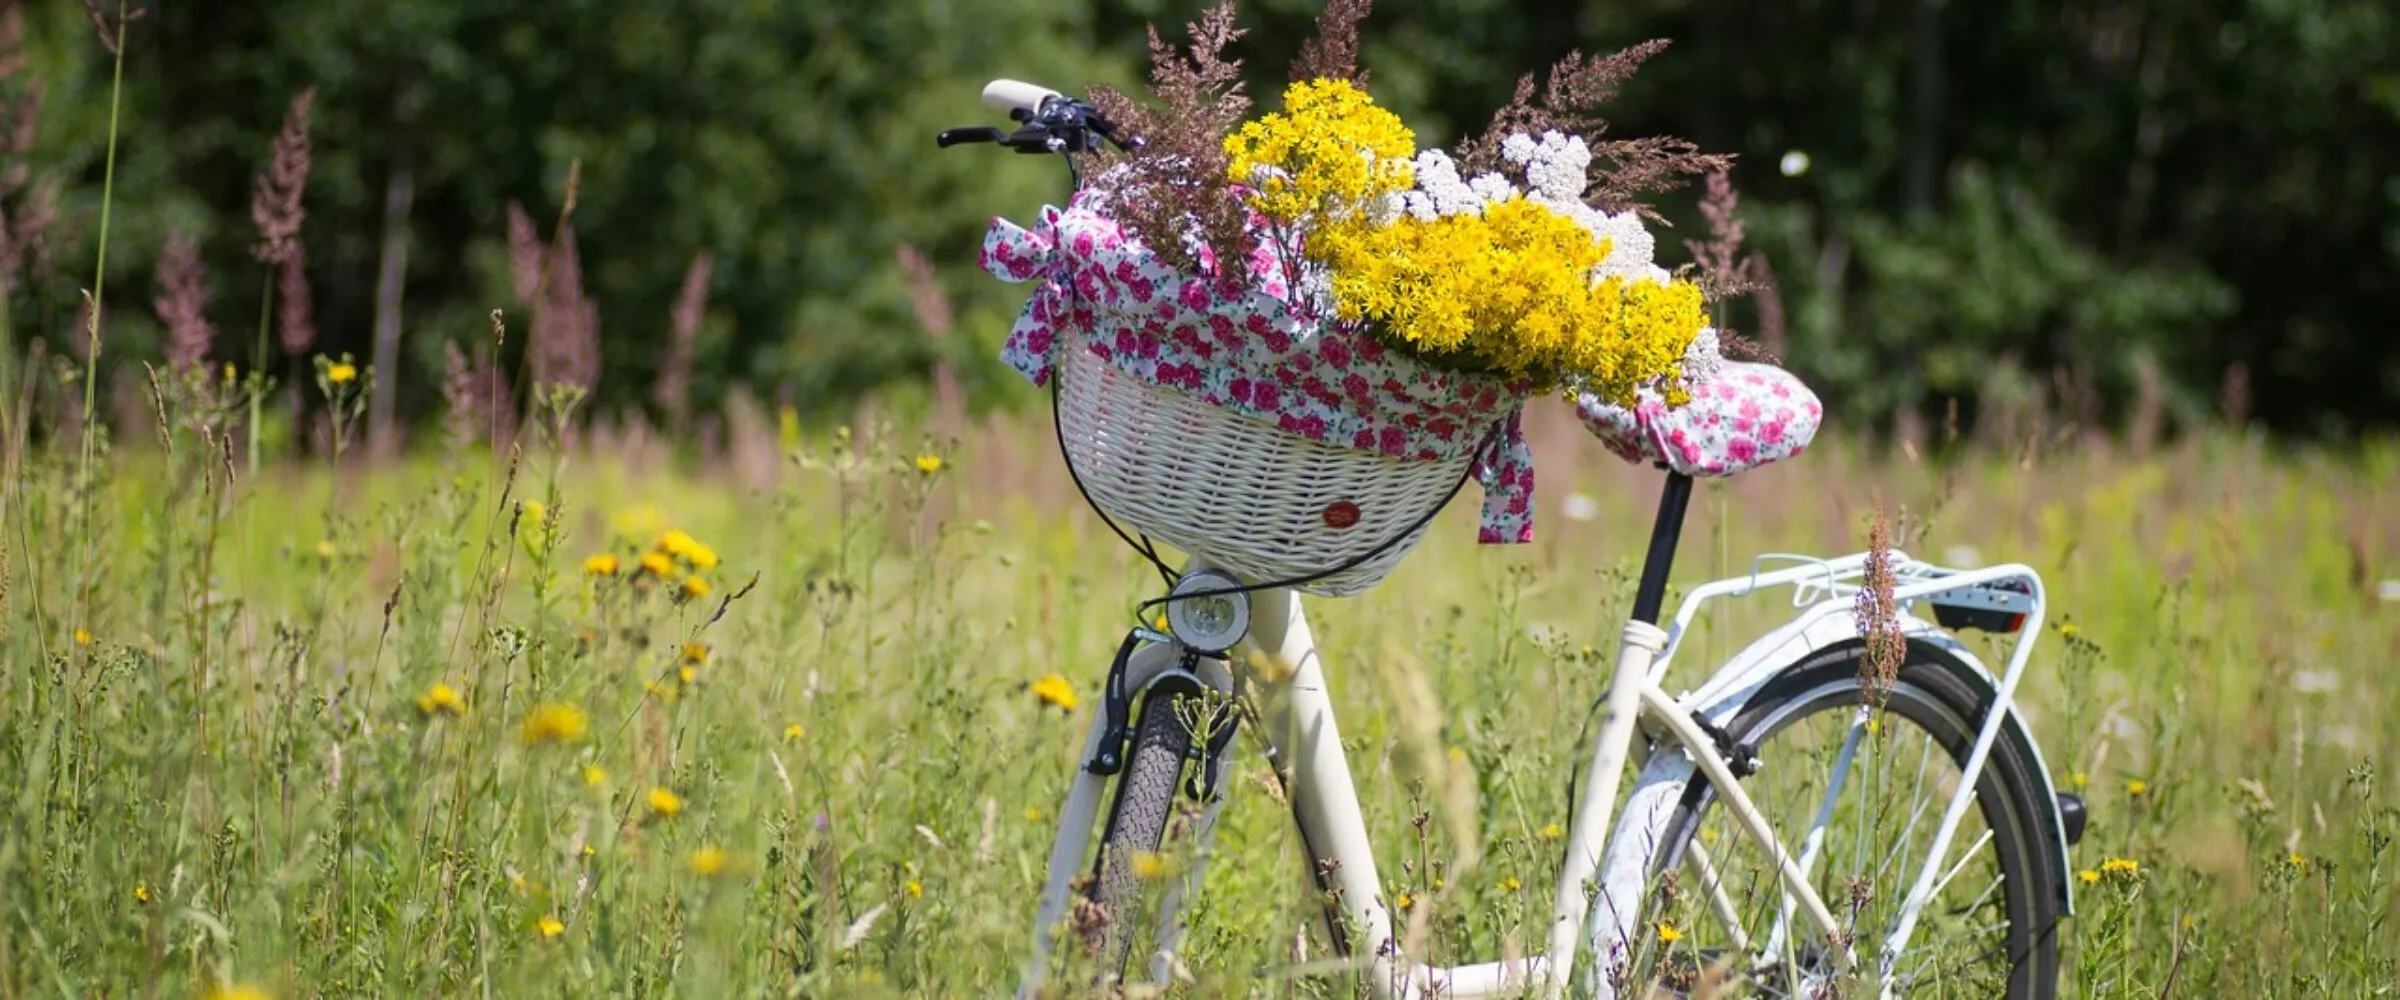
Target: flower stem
258	362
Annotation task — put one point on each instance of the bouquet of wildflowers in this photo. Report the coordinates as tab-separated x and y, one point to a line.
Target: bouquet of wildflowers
1512	256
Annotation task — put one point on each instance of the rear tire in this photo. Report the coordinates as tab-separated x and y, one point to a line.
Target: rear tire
1145	799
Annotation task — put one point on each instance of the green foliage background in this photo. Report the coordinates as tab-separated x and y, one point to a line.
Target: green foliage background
2007	203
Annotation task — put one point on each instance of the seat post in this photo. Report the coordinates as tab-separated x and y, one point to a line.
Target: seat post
1652	593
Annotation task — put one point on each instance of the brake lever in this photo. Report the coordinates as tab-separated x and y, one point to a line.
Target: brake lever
954	136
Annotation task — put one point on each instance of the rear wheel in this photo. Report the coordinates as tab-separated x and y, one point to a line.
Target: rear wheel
1145	798
1892	760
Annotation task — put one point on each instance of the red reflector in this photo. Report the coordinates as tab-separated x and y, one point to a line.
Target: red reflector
1340	514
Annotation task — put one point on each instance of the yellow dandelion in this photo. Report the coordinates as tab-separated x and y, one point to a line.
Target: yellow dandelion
2297	860
710	861
325	549
1553	832
2137	787
535	512
2070	629
1032	815
1152	865
915	889
2088	876
658	564
594	776
550	926
341	373
683	546
2079	780
1404	901
602	564
83	636
554	722
2120	866
695	653
237	991
793	733
141	892
665	804
589	850
688	675
929	463
1509	884
1667	934
441	698
694	588
659	691
1056	691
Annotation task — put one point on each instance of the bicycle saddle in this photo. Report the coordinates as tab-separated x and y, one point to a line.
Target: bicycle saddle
1750	414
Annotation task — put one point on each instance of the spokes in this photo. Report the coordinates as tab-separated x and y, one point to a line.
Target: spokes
1850	789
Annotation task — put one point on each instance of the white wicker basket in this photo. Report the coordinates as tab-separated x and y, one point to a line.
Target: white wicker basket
1241	492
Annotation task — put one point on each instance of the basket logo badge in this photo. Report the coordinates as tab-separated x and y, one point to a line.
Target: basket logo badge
1340	514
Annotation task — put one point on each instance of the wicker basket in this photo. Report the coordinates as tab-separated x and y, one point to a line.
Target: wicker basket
1238	491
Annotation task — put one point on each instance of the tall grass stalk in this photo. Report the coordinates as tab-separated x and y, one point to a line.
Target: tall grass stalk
91	356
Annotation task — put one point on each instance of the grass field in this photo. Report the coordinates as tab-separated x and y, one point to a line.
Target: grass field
461	726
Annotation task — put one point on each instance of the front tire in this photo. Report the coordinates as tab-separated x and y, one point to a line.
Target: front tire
1145	798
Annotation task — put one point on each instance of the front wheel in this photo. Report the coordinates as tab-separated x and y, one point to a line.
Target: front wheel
1855	782
1137	824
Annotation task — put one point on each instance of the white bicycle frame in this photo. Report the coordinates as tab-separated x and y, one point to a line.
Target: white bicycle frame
1296	720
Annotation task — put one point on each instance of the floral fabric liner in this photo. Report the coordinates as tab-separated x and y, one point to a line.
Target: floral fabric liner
1747	416
1256	352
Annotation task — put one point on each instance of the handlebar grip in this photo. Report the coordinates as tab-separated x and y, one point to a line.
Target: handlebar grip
1005	96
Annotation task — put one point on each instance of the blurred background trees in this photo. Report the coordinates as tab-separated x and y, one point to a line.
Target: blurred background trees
2108	209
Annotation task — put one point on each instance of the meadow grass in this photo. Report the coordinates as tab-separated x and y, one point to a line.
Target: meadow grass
460	726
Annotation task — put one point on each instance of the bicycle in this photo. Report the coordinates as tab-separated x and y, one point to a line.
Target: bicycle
1795	703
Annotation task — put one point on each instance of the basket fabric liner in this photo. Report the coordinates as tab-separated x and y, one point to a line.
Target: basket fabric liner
1750	414
1245	350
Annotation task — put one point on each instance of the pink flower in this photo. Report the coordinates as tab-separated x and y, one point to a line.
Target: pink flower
1240	390
1335	352
1395	441
1742	449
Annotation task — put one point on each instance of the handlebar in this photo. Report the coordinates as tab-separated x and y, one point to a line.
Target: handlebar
1049	122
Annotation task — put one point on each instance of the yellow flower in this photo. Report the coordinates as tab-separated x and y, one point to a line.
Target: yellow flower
83	636
2297	860
1152	865
1324	158
665	804
1404	901
683	546
589	850
657	564
237	991
554	722
594	775
1509	884
915	889
2070	629
695	653
710	861
2088	876
2079	780
694	588
2137	787
535	512
929	463
603	564
441	698
1056	691
1667	934
2120	866
325	549
688	675
793	732
1032	815
1552	832
341	373
550	926
141	892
